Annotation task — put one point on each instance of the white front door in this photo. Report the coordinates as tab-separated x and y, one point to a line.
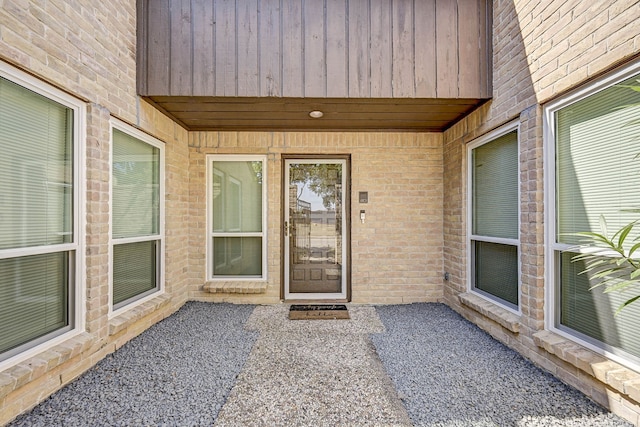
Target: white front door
315	249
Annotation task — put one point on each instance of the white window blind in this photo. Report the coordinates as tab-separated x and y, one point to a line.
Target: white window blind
598	168
597	151
136	218
134	270
33	297
495	188
136	187
36	210
494	219
591	312
36	169
496	270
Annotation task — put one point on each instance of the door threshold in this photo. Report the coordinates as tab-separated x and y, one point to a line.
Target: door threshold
315	301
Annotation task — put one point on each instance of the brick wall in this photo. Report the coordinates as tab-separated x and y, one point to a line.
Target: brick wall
87	48
541	49
396	254
416	215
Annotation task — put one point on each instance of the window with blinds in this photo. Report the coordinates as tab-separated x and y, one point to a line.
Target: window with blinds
37	218
494	218
597	173
236	212
136	217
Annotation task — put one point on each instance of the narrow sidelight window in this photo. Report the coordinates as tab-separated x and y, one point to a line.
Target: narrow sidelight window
137	217
236	217
494	218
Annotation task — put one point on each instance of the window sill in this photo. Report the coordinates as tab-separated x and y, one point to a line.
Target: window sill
34	367
238	287
128	318
503	317
616	376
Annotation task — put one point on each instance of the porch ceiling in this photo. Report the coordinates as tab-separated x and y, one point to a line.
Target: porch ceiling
200	113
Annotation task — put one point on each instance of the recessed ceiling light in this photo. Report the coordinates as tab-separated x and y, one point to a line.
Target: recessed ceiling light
316	114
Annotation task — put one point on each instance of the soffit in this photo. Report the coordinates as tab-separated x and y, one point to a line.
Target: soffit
292	114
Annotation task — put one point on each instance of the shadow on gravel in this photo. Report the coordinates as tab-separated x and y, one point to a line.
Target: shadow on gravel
179	372
448	372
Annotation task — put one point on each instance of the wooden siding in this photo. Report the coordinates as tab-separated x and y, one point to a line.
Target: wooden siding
315	48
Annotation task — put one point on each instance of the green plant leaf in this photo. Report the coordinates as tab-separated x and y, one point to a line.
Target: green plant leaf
605	269
635	88
626	303
593	237
624	232
621	261
634	247
619	287
603	225
603	273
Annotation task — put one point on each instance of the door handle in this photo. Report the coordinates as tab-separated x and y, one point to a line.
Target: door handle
286	228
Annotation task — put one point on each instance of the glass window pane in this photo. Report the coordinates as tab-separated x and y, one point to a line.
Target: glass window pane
136	187
237	256
592	312
34	298
36	169
134	270
496	270
597	166
237	196
495	187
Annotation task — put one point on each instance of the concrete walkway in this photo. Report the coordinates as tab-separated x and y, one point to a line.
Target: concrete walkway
312	372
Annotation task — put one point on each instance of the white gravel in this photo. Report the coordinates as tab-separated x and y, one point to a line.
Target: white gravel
313	373
234	365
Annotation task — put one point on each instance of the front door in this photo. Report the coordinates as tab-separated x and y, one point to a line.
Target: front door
315	248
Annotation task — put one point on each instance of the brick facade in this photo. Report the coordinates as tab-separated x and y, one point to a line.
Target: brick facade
541	50
402	173
416	216
88	50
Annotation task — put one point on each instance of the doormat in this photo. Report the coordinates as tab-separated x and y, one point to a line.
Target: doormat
318	312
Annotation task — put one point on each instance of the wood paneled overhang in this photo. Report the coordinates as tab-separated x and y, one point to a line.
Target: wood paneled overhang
414	65
259	114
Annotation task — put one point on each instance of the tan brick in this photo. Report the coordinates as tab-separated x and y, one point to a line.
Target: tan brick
7	384
602	369
542	49
74	369
632	388
36	390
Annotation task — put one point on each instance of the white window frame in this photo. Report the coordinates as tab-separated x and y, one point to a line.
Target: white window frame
552	310
485	139
77	281
209	229
160	237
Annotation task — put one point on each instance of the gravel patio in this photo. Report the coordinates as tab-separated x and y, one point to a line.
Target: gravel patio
240	365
